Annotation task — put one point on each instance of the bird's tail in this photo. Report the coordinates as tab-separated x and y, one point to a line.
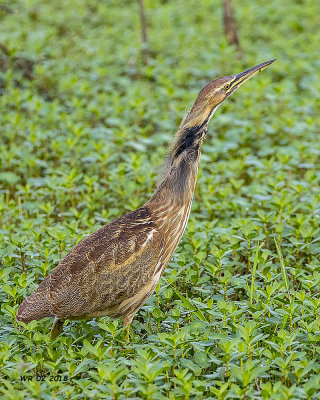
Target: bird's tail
36	306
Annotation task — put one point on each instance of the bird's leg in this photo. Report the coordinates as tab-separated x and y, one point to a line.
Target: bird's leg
57	328
128	333
127	322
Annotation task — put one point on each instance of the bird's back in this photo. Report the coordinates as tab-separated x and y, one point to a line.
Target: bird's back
102	273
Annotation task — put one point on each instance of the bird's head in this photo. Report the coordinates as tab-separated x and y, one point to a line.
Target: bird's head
215	92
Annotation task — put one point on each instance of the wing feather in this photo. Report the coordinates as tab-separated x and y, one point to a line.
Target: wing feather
107	267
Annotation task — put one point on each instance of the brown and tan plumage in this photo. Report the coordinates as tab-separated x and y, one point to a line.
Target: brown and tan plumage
115	270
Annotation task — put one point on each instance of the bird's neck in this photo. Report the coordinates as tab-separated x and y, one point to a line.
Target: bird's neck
171	203
179	177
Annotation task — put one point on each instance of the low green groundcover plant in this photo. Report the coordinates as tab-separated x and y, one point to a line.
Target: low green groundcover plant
84	127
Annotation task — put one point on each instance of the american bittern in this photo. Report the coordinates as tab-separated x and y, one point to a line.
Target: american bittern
115	270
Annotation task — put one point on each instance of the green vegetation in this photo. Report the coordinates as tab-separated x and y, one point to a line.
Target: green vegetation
84	127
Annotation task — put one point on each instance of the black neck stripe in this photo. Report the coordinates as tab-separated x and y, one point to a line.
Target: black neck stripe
188	138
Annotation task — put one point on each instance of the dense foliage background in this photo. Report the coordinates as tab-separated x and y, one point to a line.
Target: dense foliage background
84	127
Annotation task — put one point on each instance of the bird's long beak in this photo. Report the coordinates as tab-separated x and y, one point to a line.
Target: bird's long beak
244	76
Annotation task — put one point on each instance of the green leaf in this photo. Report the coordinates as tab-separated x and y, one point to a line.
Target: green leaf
9	177
283	270
201	358
193	308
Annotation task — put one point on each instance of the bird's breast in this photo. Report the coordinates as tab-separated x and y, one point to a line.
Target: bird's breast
171	220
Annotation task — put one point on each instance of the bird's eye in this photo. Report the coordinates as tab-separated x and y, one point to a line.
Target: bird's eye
226	87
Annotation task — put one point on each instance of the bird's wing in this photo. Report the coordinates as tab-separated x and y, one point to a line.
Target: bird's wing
107	267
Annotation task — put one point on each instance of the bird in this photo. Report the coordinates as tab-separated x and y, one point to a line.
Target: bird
114	270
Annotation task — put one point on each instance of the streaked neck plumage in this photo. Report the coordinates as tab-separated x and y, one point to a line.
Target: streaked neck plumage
171	203
179	176
178	179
